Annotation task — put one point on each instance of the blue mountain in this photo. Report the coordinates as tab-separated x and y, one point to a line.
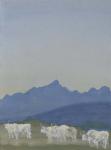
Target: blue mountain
85	115
42	99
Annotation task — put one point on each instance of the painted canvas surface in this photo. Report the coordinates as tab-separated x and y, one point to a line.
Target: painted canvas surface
55	74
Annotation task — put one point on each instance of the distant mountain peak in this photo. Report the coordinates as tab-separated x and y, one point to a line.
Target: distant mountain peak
92	90
105	89
31	90
54	83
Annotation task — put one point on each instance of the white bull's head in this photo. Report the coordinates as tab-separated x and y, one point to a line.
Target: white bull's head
44	130
84	137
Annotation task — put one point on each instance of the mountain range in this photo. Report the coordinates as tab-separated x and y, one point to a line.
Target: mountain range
39	100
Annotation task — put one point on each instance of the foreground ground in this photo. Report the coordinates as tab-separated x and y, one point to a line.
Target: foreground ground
48	147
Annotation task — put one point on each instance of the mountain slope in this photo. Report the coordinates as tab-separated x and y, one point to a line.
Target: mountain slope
38	100
96	115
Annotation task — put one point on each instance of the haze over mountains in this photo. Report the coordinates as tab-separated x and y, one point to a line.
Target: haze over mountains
20	106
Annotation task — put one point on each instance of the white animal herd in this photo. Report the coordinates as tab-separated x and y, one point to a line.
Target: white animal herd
66	134
59	134
16	131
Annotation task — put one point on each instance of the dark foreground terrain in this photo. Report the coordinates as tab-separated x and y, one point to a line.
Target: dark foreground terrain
48	147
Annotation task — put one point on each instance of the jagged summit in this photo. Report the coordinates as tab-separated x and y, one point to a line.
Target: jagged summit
105	89
54	83
92	90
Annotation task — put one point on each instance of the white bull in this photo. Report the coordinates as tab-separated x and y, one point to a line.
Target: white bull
17	130
60	134
97	138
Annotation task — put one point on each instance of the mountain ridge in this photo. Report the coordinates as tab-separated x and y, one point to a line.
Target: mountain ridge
42	99
88	115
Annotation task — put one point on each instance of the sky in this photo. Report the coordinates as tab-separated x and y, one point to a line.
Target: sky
44	40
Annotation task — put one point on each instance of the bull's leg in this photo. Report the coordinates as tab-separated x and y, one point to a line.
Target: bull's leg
29	136
50	140
16	136
96	143
12	135
105	144
9	135
90	141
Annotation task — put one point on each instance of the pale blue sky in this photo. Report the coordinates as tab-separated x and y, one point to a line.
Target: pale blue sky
44	40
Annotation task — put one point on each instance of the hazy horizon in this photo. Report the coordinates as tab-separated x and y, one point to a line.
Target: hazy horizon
45	40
